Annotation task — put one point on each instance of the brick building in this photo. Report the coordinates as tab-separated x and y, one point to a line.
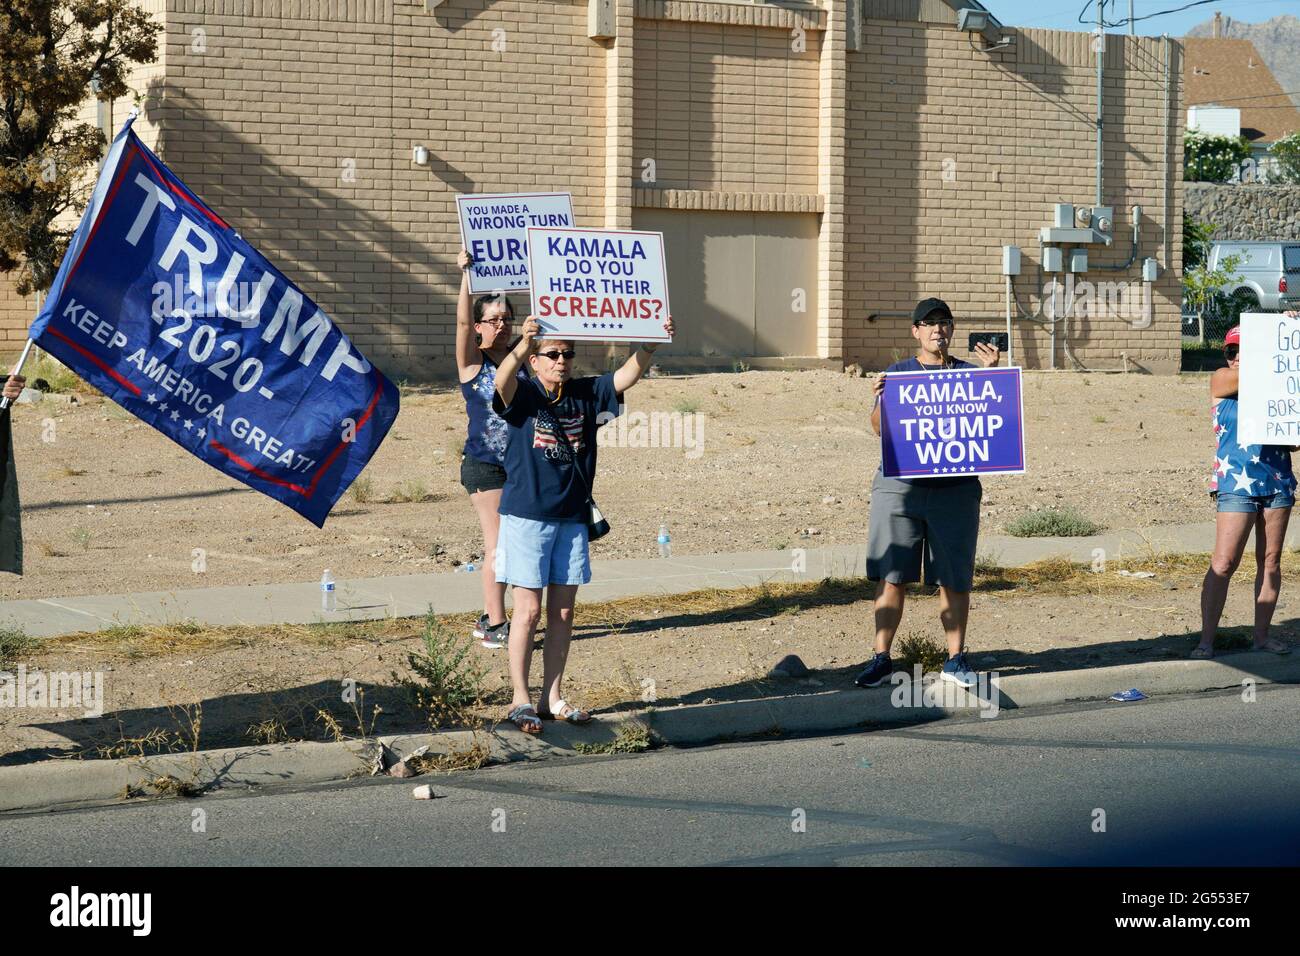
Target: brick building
816	167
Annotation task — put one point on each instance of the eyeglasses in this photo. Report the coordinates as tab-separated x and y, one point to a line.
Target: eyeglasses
496	321
554	354
1231	351
931	323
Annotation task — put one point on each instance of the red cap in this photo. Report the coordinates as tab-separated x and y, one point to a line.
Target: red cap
1233	337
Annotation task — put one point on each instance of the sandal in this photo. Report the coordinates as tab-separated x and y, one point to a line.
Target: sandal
1273	646
1202	653
567	713
525	718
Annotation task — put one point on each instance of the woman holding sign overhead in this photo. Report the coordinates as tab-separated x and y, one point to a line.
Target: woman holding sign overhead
1253	487
483	328
547	507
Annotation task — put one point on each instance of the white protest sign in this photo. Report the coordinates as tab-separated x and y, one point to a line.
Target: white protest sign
604	285
495	231
1269	389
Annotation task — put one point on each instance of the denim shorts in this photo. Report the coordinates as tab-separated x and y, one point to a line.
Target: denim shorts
1252	504
476	476
533	554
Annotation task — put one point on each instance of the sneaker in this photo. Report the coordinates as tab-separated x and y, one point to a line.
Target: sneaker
480	629
958	671
496	636
876	672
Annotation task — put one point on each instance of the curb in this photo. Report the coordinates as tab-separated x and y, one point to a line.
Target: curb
67	784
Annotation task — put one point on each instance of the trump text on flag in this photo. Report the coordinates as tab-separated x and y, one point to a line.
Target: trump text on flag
599	284
165	308
494	230
961	422
1269	380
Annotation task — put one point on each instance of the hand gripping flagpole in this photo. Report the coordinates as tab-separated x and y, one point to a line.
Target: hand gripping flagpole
27	349
22	360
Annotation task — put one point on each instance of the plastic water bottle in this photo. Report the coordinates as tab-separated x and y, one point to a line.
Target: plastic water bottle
328	601
467	568
665	542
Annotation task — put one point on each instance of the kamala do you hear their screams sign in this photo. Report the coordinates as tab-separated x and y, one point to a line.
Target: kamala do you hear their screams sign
602	285
941	424
1269	388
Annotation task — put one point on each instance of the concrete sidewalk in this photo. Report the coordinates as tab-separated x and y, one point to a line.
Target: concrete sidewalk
450	592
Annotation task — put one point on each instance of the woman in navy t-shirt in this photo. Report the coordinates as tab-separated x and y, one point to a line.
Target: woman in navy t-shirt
550	467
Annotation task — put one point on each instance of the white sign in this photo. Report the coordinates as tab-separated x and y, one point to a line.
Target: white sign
1269	389
494	229
604	285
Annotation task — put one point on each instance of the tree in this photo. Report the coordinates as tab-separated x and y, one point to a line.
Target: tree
1197	237
1287	153
50	52
1202	287
1213	159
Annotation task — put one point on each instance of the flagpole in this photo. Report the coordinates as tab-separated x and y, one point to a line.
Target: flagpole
22	360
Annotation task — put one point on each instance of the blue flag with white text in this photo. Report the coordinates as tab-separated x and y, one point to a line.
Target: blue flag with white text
162	306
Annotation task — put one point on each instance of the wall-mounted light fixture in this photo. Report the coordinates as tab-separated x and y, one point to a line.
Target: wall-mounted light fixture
420	156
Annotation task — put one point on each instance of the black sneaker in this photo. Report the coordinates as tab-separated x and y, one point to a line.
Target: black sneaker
496	636
876	672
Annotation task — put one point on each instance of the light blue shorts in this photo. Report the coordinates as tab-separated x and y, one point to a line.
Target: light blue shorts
533	554
1250	504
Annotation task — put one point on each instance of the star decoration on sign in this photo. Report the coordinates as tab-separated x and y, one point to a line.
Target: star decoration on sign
203	433
176	416
162	407
151	398
188	424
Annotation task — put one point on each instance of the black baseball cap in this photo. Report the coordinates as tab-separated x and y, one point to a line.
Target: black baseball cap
928	307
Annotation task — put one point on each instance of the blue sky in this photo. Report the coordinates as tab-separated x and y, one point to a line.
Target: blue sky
1064	14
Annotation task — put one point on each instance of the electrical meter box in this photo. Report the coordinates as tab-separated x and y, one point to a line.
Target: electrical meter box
1064	216
1078	260
1150	270
1051	259
1011	260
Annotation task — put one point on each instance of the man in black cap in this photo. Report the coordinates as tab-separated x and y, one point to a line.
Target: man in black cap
928	524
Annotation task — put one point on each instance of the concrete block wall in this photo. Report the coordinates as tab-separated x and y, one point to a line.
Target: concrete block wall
953	153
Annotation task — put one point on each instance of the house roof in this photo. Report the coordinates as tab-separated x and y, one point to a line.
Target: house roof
1229	72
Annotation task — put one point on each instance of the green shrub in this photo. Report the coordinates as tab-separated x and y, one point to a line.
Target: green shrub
446	682
1062	522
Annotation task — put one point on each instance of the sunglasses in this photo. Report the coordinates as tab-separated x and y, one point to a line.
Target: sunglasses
554	354
931	323
1231	351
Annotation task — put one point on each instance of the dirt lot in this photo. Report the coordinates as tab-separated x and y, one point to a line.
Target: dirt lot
270	684
111	506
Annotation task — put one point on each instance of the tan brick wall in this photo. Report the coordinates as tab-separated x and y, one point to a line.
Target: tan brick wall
1016	130
723	107
296	120
299	130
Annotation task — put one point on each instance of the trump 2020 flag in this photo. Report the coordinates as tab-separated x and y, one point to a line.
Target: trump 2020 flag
164	308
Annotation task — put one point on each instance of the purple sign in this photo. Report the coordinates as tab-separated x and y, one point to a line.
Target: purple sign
964	421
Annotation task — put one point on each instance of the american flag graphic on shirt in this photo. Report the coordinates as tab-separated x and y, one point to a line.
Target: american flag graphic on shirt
546	431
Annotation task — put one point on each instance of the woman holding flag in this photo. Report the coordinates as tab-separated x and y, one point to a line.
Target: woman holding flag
547	503
483	328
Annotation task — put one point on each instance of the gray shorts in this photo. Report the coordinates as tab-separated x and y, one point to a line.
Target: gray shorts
919	527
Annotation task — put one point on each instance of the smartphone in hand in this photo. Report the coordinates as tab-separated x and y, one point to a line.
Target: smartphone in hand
999	340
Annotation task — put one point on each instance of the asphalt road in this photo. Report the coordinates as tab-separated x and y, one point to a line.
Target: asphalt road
1200	779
